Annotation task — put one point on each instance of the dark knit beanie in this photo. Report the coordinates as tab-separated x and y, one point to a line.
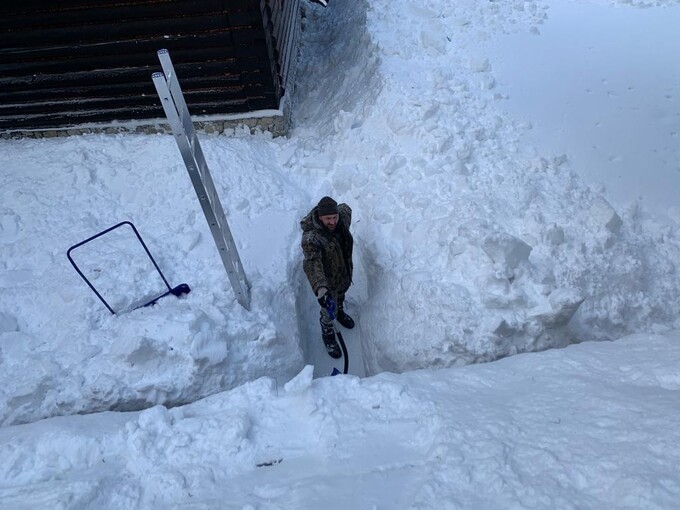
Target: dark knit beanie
327	206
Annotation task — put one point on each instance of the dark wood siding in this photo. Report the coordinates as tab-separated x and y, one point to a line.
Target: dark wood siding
74	62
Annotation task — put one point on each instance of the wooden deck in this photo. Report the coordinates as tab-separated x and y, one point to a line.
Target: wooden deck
71	63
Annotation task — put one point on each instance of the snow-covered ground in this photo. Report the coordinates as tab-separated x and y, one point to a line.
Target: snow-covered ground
615	91
588	427
472	245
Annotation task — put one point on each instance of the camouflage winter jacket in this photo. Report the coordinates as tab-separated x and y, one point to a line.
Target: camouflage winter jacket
328	255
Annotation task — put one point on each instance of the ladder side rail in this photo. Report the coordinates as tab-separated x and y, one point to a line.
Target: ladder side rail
207	197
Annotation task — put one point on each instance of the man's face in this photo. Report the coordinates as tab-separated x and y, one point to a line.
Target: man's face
330	221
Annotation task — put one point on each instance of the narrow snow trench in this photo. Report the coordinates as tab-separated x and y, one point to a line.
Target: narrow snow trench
310	335
322	106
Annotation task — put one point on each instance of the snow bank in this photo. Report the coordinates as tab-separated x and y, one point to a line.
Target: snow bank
62	352
590	426
475	247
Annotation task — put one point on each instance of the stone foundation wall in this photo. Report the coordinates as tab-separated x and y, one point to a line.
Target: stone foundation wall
277	125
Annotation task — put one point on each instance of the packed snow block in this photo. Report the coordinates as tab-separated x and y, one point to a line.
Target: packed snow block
564	303
301	382
508	336
554	235
8	323
604	216
506	250
499	293
503	329
208	348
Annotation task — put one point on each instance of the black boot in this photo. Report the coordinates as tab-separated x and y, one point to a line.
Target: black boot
328	335
345	320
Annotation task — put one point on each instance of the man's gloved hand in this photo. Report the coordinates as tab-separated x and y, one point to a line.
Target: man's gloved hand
325	299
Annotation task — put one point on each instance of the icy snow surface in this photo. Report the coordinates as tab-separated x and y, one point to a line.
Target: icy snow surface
471	245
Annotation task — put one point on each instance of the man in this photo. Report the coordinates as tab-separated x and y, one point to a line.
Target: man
327	248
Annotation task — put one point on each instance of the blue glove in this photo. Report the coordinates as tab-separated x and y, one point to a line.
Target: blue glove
326	301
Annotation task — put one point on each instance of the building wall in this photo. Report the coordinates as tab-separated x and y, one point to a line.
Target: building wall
84	65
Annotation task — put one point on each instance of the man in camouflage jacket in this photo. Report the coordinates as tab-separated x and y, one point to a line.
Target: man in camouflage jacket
327	248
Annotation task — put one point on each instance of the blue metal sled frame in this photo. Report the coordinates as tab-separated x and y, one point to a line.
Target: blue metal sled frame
176	291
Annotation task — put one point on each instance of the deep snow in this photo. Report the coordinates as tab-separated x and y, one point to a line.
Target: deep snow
590	426
472	245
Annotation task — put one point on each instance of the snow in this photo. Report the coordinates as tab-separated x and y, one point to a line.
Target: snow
590	426
609	96
476	241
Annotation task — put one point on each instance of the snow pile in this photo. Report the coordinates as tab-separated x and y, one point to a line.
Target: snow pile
475	247
62	352
531	431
